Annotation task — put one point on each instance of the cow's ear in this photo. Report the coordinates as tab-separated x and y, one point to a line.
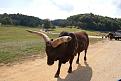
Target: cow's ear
72	35
51	39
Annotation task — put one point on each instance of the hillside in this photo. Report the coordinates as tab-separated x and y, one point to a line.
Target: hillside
91	22
20	19
87	21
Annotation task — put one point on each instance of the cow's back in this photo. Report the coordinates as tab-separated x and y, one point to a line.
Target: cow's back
83	41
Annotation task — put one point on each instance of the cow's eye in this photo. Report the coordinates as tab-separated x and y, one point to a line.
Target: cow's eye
51	39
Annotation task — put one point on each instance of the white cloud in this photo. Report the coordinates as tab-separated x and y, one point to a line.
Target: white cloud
63	5
59	9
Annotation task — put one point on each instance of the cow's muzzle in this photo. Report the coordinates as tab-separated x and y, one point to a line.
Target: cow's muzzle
50	63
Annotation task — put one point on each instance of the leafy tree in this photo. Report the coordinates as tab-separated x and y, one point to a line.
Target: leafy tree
61	22
19	19
84	21
95	22
47	24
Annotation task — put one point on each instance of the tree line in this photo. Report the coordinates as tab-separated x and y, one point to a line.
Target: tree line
84	21
95	22
91	22
20	19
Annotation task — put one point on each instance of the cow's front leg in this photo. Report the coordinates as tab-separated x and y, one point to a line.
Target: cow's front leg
58	71
70	67
77	61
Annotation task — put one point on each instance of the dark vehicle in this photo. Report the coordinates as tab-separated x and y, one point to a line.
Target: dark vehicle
117	35
114	35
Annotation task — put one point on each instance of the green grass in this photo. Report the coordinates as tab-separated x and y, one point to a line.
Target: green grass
13	51
16	43
58	30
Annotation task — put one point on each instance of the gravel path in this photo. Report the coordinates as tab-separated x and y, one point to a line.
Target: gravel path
103	64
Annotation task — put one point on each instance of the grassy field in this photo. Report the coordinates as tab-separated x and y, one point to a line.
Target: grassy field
17	44
75	30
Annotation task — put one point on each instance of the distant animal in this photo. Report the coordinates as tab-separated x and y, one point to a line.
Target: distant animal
110	35
64	48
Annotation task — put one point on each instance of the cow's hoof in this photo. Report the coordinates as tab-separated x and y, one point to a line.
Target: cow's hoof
69	71
77	62
56	76
85	58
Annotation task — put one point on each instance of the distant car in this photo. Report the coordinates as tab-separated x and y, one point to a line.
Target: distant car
114	35
117	35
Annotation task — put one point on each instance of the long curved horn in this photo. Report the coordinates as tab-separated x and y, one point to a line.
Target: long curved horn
45	37
60	40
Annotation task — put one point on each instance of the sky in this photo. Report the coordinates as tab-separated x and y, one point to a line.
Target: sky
61	9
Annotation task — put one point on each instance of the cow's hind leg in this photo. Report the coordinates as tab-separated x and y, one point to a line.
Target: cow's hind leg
77	61
70	67
85	58
58	71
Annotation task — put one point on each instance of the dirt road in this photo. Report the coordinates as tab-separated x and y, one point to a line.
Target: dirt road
103	64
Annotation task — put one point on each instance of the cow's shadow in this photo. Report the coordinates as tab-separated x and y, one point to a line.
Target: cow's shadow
82	73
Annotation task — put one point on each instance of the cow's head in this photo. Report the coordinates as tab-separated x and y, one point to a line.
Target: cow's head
52	46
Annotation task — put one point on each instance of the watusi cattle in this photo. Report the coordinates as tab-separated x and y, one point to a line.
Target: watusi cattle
64	48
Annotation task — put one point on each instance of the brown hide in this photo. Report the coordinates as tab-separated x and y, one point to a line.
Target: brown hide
83	41
66	51
63	52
